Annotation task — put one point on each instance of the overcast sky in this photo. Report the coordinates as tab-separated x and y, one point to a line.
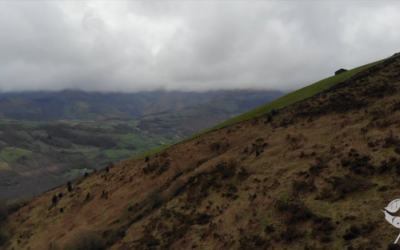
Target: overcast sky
189	45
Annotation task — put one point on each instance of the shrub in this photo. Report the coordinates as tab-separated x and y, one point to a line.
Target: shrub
325	193
150	241
269	118
254	242
315	170
303	186
382	188
297	212
226	169
352	233
54	199
243	174
291	234
269	229
214	146
85	241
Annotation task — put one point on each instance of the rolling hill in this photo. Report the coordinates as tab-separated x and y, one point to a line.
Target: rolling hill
39	152
314	174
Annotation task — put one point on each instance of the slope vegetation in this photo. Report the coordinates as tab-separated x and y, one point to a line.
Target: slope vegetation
313	175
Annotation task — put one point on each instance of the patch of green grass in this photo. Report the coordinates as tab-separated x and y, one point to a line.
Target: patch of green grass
111	153
30	124
75	172
43	146
9	154
25	134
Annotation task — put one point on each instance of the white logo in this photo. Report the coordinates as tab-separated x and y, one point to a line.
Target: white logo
393	207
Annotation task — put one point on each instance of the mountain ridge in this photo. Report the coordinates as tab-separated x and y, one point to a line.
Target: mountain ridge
73	104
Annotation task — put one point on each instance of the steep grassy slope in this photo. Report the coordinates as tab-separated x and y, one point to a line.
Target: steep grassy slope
315	175
284	101
293	97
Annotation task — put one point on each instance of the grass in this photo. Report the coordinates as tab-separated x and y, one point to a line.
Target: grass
75	172
25	134
4	166
280	103
111	153
9	154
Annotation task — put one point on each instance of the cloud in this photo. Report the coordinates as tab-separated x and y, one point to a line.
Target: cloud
188	45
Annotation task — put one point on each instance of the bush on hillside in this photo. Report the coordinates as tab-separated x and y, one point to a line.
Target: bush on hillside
352	233
85	241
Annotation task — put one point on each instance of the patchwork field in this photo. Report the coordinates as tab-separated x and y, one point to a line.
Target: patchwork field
41	155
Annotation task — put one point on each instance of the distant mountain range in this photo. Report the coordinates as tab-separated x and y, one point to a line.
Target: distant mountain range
79	105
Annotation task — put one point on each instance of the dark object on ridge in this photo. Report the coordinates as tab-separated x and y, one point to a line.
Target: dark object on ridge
69	185
54	199
86	174
340	71
269	118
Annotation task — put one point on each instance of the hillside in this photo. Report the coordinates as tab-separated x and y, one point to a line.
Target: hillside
313	175
39	155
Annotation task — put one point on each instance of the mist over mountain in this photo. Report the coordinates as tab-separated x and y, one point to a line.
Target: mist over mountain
74	104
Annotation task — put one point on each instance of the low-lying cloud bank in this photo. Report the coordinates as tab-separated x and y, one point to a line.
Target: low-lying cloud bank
177	45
